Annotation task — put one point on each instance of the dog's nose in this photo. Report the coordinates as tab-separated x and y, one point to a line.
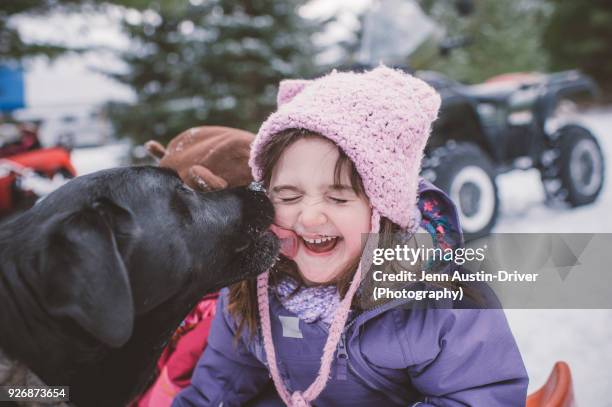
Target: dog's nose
257	209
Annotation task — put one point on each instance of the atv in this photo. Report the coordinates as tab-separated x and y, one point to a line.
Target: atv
507	123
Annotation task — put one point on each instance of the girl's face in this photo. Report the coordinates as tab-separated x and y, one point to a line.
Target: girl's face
329	219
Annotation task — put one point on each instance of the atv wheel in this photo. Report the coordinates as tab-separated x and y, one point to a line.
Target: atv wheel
575	169
467	175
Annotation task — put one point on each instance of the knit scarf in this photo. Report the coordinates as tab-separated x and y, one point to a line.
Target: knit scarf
310	304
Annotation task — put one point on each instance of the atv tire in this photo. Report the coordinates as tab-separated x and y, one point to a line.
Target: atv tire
576	168
465	172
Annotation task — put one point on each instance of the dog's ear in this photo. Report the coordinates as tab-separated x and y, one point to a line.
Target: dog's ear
87	280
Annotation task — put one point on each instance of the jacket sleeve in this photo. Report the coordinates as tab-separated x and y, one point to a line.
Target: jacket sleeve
227	374
463	357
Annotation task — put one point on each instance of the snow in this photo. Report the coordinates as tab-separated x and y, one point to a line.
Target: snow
582	338
74	80
67	93
387	37
88	160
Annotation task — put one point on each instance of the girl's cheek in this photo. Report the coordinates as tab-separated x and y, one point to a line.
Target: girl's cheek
283	215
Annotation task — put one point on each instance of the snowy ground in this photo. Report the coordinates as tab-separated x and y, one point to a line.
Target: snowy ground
91	159
583	338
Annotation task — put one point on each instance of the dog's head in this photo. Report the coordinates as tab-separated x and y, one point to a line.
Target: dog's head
123	242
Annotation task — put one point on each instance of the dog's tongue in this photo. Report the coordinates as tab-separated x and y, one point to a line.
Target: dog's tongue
288	240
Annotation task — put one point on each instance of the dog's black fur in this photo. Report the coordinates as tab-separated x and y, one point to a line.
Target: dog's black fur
95	278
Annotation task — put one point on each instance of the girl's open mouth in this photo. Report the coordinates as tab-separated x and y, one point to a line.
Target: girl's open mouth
321	245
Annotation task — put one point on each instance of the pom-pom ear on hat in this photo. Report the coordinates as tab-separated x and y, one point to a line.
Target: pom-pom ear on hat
288	88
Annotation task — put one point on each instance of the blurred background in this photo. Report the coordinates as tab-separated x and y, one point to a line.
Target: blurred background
521	143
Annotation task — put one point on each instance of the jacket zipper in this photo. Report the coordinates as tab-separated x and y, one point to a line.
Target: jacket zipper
342	358
343	362
344	365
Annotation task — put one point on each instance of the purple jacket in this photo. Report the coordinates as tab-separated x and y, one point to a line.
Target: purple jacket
390	355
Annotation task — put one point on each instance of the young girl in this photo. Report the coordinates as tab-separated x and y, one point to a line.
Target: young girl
340	158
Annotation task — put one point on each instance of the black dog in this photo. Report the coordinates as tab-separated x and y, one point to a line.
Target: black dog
96	277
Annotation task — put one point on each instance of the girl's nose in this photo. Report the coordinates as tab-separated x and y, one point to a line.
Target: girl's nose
311	216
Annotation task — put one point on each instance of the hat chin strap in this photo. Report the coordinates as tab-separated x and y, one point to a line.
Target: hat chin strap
297	398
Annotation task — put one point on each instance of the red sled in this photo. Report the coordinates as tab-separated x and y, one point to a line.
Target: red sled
44	163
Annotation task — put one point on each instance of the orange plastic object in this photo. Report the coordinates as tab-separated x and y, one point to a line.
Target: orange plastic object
557	391
516	77
45	160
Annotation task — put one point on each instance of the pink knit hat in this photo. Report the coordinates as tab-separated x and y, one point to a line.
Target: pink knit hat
381	120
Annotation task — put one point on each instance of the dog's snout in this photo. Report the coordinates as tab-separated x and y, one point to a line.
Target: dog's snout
257	209
243	247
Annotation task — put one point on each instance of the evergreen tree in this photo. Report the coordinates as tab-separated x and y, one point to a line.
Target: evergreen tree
214	62
578	36
13	48
505	36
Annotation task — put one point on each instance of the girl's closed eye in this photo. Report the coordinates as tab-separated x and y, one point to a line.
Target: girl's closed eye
341	194
287	198
338	200
285	194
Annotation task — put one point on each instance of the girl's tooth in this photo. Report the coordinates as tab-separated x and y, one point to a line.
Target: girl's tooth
321	240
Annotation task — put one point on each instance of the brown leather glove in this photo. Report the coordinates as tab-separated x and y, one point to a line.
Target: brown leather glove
207	157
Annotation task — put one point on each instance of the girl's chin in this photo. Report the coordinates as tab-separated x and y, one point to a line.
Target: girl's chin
315	271
311	280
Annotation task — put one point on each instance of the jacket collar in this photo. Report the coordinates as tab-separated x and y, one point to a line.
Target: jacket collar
449	211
